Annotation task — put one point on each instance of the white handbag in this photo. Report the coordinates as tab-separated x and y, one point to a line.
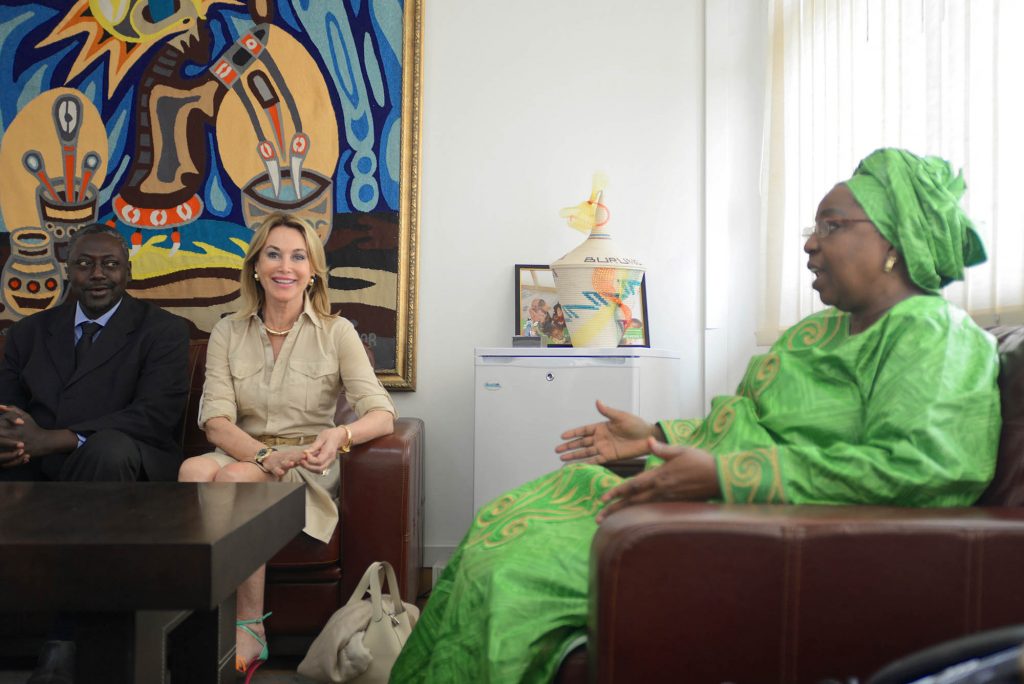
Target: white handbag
363	638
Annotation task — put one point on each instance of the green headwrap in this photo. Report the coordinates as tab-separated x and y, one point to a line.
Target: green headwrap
915	204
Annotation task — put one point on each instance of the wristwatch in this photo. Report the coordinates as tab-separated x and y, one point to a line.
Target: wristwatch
261	456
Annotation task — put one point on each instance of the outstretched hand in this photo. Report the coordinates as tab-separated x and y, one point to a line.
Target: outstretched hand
688	474
623	435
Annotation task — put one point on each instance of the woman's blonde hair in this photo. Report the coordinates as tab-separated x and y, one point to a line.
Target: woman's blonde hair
252	292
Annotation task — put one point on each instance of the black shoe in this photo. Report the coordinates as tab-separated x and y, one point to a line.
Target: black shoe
56	664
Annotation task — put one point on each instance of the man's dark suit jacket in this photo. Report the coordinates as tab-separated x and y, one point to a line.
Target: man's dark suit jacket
134	379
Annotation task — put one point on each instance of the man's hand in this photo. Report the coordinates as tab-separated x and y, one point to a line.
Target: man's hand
688	474
623	435
19	432
12	449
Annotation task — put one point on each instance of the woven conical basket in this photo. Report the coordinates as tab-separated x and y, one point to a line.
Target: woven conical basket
592	281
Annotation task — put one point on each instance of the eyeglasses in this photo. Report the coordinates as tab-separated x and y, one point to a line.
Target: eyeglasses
825	227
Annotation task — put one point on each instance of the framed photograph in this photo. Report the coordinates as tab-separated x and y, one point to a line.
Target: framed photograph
538	313
185	124
636	334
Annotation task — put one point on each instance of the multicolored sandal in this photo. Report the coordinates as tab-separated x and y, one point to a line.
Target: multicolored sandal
249	669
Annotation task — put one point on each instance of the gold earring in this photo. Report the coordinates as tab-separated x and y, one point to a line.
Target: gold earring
311	281
890	262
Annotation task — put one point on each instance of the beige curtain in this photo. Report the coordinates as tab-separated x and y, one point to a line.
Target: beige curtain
939	77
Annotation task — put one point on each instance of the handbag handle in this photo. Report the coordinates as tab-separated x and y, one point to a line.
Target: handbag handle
371	582
375	592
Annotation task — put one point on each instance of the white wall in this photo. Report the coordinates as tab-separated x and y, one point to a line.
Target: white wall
521	103
736	67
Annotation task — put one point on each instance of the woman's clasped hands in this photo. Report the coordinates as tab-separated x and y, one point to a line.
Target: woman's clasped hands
321	454
280	461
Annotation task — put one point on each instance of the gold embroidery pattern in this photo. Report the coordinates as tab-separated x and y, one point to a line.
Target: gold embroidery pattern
683	431
743	389
702	434
717	425
816	331
568	493
751	477
759	375
690	431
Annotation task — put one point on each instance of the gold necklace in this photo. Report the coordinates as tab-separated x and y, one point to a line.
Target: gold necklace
271	331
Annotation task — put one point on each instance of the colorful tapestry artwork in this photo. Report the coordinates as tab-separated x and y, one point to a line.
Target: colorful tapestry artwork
183	123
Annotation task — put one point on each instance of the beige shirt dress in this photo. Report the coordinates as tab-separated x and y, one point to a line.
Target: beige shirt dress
292	397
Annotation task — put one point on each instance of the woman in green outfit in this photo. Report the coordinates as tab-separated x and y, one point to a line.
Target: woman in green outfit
890	397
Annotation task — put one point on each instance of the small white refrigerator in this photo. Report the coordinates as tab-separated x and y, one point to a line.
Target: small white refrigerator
526	398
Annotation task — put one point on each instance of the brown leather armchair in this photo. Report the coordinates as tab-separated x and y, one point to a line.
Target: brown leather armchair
381	507
716	593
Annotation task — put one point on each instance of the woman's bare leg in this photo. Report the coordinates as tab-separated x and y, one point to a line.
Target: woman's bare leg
249	597
198	469
249	605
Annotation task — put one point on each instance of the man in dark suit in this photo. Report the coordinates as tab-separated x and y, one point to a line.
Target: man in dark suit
87	403
92	390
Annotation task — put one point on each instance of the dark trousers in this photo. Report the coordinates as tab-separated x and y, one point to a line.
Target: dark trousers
106	456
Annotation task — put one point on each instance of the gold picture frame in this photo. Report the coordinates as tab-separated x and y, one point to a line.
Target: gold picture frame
403	376
258	72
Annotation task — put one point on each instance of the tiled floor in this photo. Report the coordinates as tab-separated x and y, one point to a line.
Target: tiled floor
280	671
14	670
277	671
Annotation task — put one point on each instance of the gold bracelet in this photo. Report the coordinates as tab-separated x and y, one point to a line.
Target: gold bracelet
347	446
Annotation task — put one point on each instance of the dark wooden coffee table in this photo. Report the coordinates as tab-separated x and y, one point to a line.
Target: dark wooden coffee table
149	569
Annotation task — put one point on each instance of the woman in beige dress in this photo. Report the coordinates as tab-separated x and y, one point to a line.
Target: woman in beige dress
273	374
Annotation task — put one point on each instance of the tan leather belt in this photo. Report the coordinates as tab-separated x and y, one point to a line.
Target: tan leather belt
273	440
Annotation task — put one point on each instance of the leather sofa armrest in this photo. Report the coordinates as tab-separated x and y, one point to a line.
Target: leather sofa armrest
731	593
627	468
382	507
